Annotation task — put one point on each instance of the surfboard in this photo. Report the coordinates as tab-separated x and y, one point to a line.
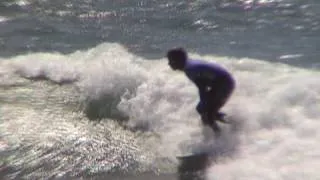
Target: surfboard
196	154
230	126
192	155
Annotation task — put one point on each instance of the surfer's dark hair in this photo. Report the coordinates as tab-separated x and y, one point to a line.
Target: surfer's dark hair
177	54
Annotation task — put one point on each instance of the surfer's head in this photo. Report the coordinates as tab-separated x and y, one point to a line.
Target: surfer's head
177	58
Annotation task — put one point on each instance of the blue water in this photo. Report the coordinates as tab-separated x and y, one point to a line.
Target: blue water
149	28
85	90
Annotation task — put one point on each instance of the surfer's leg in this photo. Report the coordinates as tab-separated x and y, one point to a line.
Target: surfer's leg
219	96
208	117
207	120
211	121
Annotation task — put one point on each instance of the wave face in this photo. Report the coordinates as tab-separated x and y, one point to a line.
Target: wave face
106	110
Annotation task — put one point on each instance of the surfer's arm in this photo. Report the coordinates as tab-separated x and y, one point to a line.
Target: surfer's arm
204	77
205	82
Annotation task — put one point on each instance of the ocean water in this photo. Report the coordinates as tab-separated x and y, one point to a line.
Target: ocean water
86	92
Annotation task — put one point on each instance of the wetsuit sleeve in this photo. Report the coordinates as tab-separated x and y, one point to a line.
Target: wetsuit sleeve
203	79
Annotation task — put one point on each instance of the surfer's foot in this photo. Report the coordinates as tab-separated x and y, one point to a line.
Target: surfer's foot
217	132
216	129
221	117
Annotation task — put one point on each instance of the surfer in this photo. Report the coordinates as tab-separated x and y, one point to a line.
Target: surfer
215	85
